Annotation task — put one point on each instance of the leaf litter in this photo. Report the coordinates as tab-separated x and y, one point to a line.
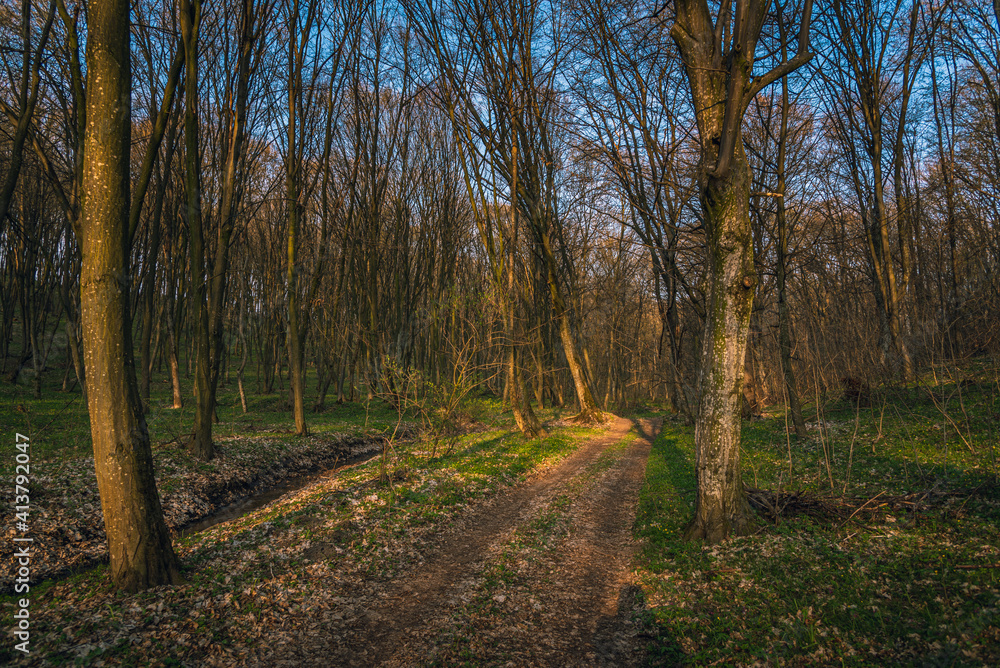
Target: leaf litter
291	582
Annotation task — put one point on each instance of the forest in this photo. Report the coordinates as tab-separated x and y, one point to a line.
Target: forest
500	332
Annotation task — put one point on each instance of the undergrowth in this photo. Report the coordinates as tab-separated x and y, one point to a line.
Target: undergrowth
859	579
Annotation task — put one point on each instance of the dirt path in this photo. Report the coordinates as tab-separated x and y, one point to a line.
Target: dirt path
539	576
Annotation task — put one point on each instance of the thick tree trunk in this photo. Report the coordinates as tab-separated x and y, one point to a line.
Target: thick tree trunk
719	74
722	508
138	541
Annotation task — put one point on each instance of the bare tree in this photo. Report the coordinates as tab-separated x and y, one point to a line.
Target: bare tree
637	113
138	540
200	444
718	59
498	65
869	83
27	97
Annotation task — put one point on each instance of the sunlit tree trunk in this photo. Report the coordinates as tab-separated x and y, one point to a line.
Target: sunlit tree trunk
138	541
722	509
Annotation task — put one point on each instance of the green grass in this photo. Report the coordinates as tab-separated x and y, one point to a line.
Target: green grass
897	586
59	428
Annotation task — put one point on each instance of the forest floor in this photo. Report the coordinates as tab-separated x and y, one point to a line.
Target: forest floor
498	551
877	538
876	542
67	528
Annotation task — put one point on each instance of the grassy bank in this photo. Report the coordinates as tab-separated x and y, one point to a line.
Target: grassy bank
882	547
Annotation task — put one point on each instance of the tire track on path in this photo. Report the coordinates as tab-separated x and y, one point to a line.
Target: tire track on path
588	607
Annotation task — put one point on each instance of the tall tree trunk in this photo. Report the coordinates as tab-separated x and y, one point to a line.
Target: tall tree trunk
904	211
719	74
784	327
293	187
232	177
589	412
138	541
722	508
200	445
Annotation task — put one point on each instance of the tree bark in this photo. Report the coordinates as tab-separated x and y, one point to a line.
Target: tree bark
138	541
293	188
718	59
200	445
722	508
